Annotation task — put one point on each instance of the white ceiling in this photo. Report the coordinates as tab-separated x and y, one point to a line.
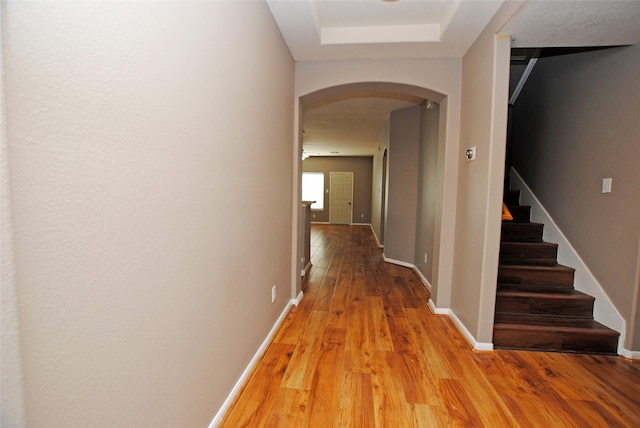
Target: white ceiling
321	30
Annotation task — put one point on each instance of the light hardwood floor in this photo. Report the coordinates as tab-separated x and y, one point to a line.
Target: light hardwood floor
363	349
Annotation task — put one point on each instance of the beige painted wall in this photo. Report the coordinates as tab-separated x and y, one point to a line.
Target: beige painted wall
577	122
143	172
361	166
485	84
11	383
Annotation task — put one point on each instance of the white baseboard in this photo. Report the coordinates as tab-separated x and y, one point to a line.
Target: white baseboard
298	299
320	222
438	311
604	311
360	224
397	262
247	371
478	346
632	355
304	271
422	278
376	236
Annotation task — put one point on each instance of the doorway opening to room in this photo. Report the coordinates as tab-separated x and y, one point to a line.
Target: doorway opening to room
382	150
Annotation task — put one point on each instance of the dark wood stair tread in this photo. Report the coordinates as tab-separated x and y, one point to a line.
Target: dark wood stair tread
537	288
520	213
511	197
551	324
533	274
521	232
540	253
573	295
555	268
573	304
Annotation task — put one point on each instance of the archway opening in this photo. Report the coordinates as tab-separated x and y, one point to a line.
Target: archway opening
403	96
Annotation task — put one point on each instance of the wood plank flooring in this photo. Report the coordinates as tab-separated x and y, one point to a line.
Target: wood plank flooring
363	349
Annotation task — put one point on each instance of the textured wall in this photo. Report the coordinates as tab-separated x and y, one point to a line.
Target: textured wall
11	387
485	86
143	172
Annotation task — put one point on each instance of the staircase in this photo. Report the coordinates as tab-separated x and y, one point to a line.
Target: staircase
537	307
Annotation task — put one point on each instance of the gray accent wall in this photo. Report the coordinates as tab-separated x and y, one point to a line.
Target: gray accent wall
576	122
379	185
362	168
428	190
414	186
404	149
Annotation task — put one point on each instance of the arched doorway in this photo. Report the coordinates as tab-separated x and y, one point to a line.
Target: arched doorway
446	159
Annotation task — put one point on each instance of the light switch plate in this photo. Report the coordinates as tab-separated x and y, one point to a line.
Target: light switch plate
606	185
471	153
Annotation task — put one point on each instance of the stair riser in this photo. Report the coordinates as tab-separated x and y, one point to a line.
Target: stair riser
521	232
582	308
507	274
520	213
536	288
555	341
518	253
511	197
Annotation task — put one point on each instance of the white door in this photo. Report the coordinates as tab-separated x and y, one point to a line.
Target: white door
340	197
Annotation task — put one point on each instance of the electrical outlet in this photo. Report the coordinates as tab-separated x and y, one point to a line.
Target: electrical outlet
273	294
425	257
606	185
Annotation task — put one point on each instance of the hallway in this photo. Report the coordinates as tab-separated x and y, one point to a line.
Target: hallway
363	349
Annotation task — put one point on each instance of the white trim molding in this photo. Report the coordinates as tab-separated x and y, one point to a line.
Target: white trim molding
398	262
376	236
438	311
604	311
424	280
632	355
252	364
478	346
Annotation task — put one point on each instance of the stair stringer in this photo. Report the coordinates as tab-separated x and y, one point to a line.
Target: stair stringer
604	311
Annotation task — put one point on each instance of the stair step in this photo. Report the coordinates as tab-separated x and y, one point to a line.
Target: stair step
520	213
573	304
521	232
538	253
511	197
540	275
537	307
553	334
537	288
